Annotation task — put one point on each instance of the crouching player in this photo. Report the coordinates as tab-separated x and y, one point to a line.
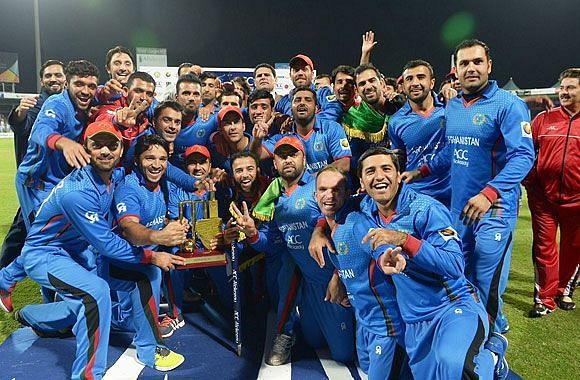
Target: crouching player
380	329
55	255
446	324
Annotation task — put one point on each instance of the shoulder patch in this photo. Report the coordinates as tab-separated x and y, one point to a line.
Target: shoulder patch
526	129
331	98
344	144
449	233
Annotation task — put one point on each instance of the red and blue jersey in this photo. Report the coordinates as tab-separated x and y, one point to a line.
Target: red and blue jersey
370	291
76	214
328	107
489	148
196	133
433	278
324	144
421	137
295	216
43	166
132	198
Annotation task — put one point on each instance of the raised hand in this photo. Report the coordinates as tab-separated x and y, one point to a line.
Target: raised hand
381	236
25	104
244	221
112	87
74	153
392	262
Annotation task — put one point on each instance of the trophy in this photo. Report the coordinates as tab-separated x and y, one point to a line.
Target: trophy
204	223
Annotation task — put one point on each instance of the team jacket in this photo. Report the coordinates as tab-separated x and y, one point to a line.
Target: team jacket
76	214
43	165
421	137
133	198
295	217
433	279
556	174
323	145
370	291
327	106
489	149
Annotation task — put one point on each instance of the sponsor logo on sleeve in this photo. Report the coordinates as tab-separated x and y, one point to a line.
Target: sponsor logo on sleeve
92	216
331	98
121	207
344	144
448	234
526	129
50	113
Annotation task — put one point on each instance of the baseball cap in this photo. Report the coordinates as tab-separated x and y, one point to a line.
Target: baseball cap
197	149
227	109
301	57
452	74
289	140
102	126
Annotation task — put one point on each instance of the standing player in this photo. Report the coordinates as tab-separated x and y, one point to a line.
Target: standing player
418	128
490	151
289	206
446	324
56	255
380	329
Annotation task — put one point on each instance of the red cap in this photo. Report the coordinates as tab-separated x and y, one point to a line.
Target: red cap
452	74
226	110
289	140
102	126
302	57
197	149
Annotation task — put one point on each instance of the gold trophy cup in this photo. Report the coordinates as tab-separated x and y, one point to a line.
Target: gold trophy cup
204	223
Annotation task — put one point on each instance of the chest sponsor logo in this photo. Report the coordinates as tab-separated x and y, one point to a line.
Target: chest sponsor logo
460	157
121	208
300	203
479	119
50	113
92	216
448	234
342	248
552	128
526	129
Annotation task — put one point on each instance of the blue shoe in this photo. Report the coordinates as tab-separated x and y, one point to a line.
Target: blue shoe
498	344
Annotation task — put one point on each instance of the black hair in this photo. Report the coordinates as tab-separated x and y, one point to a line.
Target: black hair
260	94
376	151
145	77
166	104
115	50
187	78
243	154
244	83
146	142
206	75
266	65
81	68
304	88
229	93
344	69
471	43
365	67
419	62
50	62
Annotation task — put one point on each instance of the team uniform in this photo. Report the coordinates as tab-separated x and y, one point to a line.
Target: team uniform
324	144
56	255
446	324
220	151
553	188
295	216
380	330
196	133
421	137
489	149
132	198
328	107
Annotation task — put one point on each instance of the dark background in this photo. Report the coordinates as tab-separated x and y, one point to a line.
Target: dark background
533	40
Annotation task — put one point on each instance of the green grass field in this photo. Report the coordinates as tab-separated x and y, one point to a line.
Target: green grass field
545	348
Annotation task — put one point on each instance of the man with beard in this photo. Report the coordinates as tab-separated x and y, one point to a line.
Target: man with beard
230	137
365	124
553	188
489	151
52	151
302	75
194	130
56	255
21	119
289	208
380	329
447	326
324	140
208	91
418	129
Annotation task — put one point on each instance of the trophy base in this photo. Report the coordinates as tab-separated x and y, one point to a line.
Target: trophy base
202	259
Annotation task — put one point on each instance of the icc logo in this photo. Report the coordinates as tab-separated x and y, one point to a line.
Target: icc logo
342	248
200	132
121	208
479	119
460	154
92	216
319	146
300	203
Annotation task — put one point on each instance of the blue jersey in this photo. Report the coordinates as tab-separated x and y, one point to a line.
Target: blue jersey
196	133
325	144
221	152
133	198
328	107
433	279
44	166
370	291
295	217
76	214
421	137
489	145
